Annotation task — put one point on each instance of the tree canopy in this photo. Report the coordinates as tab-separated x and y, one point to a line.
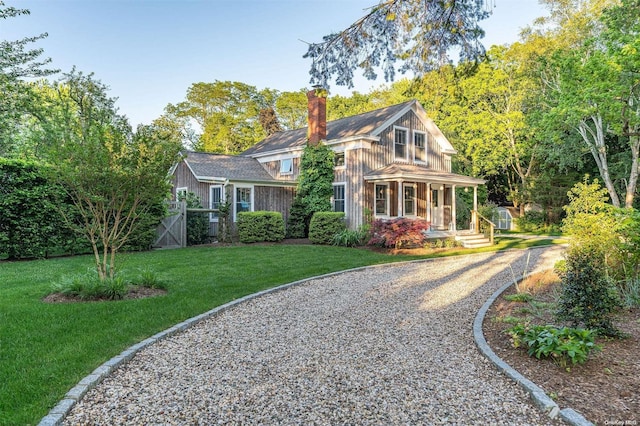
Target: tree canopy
18	60
418	34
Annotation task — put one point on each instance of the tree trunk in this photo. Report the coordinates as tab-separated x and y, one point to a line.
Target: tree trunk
633	174
596	144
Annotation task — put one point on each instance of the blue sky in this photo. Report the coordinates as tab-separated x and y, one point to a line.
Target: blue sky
150	51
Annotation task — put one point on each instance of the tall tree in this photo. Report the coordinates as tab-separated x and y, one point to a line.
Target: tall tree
115	179
17	61
594	92
269	121
291	109
416	33
227	114
489	121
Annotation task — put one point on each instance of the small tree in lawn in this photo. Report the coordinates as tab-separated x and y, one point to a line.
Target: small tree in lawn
114	178
315	187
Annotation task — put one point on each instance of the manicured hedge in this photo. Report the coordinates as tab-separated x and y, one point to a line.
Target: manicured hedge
31	216
30	221
260	226
324	226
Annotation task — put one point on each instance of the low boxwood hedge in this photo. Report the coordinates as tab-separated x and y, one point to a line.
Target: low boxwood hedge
254	227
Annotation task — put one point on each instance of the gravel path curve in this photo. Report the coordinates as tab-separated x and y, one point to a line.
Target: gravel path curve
383	345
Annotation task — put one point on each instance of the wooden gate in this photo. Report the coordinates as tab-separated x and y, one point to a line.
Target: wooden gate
172	232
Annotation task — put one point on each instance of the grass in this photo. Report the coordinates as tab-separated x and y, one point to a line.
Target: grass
46	349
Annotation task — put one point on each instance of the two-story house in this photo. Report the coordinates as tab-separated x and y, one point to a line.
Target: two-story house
390	162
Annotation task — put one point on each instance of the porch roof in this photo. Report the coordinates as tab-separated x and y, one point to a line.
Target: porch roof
419	174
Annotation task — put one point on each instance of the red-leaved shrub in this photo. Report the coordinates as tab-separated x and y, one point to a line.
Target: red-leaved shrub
399	232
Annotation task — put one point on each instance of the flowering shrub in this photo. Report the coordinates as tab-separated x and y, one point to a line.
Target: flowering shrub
399	232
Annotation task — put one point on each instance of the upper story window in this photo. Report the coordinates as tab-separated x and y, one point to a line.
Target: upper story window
401	149
420	147
286	166
339	159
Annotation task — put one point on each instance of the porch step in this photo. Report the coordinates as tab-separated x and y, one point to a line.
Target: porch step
473	240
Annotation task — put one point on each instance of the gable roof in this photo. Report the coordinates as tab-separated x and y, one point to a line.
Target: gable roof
219	167
370	124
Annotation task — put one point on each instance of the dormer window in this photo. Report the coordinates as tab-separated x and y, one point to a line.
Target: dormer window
400	143
286	166
420	147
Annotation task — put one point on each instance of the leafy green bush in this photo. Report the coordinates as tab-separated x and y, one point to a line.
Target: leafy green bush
531	221
31	223
351	237
588	296
197	223
324	226
399	232
260	226
560	344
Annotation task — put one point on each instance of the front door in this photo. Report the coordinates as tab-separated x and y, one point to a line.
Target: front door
437	219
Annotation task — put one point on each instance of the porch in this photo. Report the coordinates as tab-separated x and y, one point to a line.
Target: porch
403	190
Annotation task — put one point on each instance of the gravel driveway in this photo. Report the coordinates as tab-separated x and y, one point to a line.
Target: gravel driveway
382	345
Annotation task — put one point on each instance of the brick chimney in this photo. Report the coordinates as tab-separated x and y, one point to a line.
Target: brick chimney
317	105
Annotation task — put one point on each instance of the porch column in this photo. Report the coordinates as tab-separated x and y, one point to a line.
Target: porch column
453	207
475	198
400	198
476	219
428	198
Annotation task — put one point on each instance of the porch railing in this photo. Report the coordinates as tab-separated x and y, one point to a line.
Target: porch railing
482	224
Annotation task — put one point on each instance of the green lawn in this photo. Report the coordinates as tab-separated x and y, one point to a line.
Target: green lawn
45	349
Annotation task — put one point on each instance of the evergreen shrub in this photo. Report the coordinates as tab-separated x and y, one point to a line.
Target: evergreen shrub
260	226
589	296
324	226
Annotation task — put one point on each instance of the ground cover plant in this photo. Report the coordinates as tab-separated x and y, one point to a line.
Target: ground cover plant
46	348
610	372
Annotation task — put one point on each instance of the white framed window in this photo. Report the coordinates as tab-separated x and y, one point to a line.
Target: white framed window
382	199
419	147
400	147
181	193
339	160
286	166
409	199
243	199
216	198
338	199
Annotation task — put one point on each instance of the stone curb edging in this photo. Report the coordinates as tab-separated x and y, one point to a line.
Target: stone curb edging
540	398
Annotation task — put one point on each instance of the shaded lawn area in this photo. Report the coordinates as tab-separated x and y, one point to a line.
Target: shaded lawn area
46	349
